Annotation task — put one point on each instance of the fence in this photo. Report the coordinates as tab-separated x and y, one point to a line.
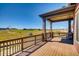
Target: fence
13	46
59	34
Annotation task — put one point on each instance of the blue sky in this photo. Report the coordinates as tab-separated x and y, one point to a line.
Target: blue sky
27	15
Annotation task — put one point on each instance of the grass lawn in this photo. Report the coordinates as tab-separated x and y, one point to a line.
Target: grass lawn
10	34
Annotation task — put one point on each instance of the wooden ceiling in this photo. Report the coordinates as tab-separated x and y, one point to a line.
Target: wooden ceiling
62	14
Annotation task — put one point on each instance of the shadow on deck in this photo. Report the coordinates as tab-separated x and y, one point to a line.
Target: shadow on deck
30	50
57	47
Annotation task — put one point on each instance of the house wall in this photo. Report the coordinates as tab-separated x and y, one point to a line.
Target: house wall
76	28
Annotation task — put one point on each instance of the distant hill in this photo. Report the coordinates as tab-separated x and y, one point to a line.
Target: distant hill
6	28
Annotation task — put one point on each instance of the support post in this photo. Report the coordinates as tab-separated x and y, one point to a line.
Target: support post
35	40
44	29
22	45
69	26
42	37
51	29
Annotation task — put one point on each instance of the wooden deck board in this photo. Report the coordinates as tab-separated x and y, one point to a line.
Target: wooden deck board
29	50
56	48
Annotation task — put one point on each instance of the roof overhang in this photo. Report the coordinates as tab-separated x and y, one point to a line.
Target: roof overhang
62	14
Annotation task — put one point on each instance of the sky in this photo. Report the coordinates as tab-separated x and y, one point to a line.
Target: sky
26	15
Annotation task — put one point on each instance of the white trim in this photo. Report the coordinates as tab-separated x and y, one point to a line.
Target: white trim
76	40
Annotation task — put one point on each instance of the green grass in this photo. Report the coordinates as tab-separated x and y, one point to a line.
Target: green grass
10	34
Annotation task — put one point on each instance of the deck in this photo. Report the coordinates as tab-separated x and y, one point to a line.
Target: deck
56	48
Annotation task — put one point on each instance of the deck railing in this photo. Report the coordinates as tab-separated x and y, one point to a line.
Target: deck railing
48	35
13	46
59	34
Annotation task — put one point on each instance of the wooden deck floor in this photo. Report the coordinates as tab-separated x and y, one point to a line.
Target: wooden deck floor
56	48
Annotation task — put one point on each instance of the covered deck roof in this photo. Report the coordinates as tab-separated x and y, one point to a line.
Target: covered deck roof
62	14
